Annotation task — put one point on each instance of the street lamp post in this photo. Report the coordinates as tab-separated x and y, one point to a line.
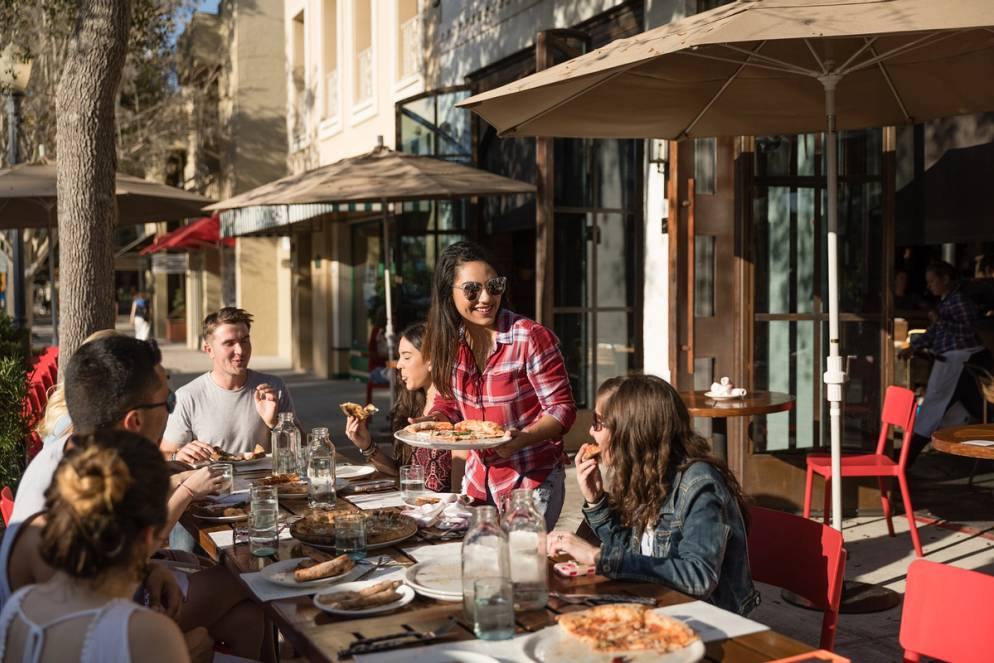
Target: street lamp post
15	72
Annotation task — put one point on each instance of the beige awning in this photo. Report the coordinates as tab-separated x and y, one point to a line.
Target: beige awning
381	175
752	67
28	198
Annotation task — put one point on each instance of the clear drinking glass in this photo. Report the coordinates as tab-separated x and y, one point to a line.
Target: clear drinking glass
493	609
225	470
350	535
412	483
263	521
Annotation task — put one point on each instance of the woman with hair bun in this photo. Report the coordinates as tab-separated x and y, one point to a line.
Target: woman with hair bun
105	511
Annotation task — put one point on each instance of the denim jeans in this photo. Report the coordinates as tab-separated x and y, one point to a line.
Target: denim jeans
548	498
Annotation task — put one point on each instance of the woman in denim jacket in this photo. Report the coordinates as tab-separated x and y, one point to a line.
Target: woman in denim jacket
674	513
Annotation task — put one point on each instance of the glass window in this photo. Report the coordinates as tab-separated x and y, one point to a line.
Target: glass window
705	164
330	57
704	276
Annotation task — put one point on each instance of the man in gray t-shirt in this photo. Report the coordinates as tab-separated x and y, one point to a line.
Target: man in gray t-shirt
230	406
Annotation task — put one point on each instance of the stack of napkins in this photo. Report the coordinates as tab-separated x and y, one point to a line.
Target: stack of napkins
449	513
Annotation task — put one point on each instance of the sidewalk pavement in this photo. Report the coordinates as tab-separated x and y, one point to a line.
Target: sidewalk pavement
874	557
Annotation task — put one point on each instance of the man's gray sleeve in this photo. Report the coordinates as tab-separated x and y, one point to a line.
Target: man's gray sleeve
178	429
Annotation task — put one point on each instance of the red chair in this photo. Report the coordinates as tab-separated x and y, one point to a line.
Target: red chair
900	408
6	504
812	566
948	614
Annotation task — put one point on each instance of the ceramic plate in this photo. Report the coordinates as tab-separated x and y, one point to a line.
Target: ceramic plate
281	573
423	441
353	471
721	397
553	645
406	596
436	579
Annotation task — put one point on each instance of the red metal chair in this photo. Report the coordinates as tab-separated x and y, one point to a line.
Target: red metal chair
6	504
812	566
900	408
948	614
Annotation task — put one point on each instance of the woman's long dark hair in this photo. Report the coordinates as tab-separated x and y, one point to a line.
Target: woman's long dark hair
407	403
650	433
442	337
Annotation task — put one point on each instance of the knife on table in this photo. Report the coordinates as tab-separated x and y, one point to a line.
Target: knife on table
394	640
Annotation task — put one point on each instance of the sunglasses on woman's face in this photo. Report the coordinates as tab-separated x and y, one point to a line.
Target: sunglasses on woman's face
597	423
472	289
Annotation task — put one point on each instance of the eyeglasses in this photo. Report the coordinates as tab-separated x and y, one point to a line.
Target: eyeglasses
597	423
169	403
472	289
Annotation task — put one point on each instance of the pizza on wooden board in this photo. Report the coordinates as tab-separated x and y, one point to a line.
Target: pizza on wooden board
382	525
623	627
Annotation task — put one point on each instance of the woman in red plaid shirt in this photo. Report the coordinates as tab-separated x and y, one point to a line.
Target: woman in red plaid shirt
504	368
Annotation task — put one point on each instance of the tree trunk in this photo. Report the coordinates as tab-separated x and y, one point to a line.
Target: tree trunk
87	167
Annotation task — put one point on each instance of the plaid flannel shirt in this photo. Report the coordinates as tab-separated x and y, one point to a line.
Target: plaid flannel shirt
524	379
953	330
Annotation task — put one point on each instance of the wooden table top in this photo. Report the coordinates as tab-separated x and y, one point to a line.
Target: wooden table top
757	402
318	636
950	440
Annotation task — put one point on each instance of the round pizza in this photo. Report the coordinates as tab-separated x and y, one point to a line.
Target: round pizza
624	627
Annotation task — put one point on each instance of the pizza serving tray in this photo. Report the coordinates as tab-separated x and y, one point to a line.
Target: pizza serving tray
553	645
426	442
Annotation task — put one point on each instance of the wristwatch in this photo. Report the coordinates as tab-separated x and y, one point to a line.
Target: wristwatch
369	451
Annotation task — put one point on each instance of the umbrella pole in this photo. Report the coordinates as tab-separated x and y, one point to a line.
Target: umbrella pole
54	306
387	287
834	376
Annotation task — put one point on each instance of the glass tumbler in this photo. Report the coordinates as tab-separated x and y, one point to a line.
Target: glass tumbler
263	521
227	472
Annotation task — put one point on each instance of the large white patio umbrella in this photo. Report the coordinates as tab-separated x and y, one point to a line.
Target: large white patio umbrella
756	67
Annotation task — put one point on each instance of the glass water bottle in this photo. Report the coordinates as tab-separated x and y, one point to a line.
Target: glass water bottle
525	529
484	554
286	445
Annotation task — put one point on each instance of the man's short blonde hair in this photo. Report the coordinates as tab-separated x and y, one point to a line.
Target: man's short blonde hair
229	315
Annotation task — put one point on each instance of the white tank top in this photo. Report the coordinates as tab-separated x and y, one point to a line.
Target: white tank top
106	637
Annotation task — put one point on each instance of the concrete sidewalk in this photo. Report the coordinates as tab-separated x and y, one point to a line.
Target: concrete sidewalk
874	557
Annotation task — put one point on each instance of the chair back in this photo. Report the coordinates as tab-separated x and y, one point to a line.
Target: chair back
812	565
6	504
948	613
900	409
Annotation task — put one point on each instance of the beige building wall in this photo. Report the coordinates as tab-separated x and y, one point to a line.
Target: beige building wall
258	290
347	64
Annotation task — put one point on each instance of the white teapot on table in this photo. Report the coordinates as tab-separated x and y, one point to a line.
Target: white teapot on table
725	388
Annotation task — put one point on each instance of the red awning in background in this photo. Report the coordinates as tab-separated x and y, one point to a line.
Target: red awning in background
199	234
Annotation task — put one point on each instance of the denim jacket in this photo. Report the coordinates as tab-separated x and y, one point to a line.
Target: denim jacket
700	542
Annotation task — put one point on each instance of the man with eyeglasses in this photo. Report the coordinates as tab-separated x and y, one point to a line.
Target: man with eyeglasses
116	382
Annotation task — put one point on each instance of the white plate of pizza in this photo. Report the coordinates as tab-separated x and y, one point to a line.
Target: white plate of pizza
605	633
465	435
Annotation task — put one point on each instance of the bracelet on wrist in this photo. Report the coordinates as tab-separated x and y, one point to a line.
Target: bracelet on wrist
369	451
187	489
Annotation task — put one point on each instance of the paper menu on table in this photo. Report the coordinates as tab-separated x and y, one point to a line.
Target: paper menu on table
711	622
429	552
979	443
366	501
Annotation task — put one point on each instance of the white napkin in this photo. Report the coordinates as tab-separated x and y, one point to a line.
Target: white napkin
455	514
423	553
979	443
367	501
226	538
711	622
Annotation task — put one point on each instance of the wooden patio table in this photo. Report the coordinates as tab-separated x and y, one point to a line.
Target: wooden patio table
756	402
950	440
320	636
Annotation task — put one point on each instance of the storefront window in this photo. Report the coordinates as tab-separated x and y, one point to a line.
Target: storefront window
791	319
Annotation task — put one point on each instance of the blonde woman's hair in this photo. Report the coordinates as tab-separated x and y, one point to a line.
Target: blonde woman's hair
55	406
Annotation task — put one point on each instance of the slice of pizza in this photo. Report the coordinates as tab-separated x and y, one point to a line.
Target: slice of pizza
428	426
480	429
360	412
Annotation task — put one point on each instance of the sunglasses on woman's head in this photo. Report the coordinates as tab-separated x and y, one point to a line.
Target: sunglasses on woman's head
472	289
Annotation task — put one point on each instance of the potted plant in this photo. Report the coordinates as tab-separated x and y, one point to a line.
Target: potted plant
176	322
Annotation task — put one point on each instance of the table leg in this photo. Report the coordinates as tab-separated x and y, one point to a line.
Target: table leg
719	437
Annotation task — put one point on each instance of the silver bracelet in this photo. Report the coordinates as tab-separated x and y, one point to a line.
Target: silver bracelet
369	451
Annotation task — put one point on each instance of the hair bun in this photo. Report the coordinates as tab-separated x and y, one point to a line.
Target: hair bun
94	482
